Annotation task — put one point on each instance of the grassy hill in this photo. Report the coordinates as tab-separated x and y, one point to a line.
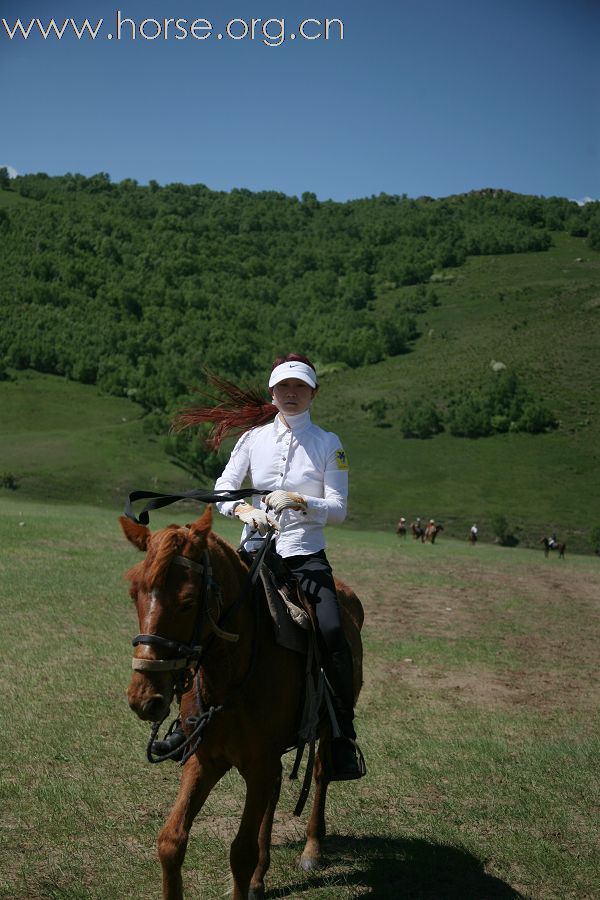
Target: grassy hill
64	441
537	313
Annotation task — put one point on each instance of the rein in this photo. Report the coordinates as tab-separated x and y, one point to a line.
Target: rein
157	501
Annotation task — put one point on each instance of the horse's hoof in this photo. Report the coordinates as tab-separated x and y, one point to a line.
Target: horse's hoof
310	863
256	894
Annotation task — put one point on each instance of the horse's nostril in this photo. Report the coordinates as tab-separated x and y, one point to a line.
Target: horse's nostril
152	709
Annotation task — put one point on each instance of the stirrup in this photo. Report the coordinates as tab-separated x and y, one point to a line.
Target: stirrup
350	762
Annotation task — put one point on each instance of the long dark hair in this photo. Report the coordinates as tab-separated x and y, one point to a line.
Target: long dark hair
236	410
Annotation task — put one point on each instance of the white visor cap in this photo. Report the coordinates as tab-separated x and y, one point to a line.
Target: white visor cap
293	369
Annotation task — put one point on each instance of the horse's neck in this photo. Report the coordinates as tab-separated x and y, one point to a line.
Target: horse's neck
227	661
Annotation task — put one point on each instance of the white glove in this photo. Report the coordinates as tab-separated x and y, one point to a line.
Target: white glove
280	500
255	518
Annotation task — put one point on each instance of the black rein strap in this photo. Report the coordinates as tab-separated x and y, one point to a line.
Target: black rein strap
157	501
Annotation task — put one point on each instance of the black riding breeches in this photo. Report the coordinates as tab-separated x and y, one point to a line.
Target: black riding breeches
316	580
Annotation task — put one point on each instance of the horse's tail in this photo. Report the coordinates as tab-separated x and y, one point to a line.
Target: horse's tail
350	602
353	616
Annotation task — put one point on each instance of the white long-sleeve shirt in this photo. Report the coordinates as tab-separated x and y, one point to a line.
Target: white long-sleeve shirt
301	458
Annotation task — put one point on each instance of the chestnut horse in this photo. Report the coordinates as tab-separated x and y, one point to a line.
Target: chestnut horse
248	689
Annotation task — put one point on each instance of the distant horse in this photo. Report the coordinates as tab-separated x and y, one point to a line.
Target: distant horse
548	547
431	532
418	532
401	528
243	700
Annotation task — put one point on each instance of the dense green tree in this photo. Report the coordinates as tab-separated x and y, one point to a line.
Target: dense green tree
136	288
594	236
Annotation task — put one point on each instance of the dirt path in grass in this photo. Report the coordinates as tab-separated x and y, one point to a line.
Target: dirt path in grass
543	619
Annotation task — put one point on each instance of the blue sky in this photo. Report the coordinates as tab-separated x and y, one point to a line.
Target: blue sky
420	97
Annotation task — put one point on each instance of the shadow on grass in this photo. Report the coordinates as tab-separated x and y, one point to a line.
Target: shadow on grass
412	869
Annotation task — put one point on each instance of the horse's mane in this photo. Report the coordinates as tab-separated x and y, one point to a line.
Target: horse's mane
225	548
163	545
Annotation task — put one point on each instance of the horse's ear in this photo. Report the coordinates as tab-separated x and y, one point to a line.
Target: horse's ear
203	525
136	534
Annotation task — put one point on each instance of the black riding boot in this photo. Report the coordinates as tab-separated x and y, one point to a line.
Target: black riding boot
173	740
347	760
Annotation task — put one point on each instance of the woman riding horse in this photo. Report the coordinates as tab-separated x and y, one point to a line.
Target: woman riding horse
304	472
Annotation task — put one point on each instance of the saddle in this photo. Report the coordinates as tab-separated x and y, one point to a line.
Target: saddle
292	616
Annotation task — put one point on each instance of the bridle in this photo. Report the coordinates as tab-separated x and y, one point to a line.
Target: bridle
187	656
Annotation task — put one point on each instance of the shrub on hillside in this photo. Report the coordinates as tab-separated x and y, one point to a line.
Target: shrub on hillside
9	481
468	418
501	530
502	403
536	418
420	419
376	410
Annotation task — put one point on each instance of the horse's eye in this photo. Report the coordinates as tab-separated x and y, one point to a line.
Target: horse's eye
186	604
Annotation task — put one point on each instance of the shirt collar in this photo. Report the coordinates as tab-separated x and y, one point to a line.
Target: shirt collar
296	423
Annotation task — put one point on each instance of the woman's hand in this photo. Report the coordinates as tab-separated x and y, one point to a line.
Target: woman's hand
280	500
255	518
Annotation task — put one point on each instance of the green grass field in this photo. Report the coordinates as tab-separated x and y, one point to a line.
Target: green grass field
477	719
66	442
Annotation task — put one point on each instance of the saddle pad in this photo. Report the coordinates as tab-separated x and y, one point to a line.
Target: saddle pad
291	624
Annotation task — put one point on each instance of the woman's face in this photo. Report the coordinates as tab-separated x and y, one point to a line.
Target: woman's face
293	396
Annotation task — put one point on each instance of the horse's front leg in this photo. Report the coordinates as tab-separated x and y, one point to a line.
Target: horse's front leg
257	883
197	781
262	788
316	828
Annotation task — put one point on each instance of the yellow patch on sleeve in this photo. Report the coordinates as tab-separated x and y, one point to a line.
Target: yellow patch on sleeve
341	459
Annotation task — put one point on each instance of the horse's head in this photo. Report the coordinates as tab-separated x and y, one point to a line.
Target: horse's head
169	589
